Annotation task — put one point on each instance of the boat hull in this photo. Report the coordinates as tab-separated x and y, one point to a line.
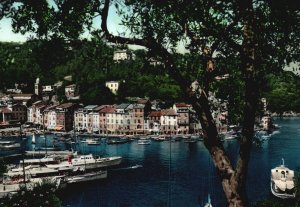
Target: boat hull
281	194
87	177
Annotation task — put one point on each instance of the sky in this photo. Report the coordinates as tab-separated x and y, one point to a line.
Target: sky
7	35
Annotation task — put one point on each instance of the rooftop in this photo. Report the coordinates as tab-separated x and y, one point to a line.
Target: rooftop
65	105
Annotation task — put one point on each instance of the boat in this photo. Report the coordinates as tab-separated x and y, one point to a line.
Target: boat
20	168
144	141
158	138
47	159
282	182
189	140
117	141
136	166
10	146
87	177
87	162
208	204
91	141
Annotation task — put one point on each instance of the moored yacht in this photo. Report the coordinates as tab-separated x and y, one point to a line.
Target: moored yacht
87	177
87	162
143	141
282	182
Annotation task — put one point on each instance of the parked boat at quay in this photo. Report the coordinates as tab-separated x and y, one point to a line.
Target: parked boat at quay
87	162
144	141
102	174
91	141
117	140
282	182
9	145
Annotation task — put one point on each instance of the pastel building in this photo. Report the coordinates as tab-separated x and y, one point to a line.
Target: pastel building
168	121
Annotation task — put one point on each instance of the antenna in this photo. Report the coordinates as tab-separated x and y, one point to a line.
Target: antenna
282	161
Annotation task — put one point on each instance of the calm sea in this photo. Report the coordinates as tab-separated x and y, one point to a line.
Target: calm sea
180	174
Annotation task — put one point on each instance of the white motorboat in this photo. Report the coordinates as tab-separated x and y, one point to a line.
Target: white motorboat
92	142
87	162
45	160
87	177
11	146
282	182
144	141
20	168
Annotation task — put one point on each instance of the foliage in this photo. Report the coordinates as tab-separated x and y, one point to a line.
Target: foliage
282	92
43	194
262	36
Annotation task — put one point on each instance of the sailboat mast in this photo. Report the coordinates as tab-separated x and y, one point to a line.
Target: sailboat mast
44	133
22	141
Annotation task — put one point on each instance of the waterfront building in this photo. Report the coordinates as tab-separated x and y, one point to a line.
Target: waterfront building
154	122
168	121
184	112
110	116
89	117
35	112
83	118
19	112
103	117
123	117
50	117
65	116
138	115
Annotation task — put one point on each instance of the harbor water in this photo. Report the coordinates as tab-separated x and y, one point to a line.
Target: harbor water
178	174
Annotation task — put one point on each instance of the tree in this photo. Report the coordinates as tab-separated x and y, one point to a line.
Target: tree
262	35
44	194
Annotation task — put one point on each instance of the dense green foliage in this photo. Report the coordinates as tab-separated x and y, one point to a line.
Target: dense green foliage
90	62
282	92
41	195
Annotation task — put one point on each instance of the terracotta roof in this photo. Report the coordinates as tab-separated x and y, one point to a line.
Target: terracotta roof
101	107
182	105
5	110
155	113
108	110
168	112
